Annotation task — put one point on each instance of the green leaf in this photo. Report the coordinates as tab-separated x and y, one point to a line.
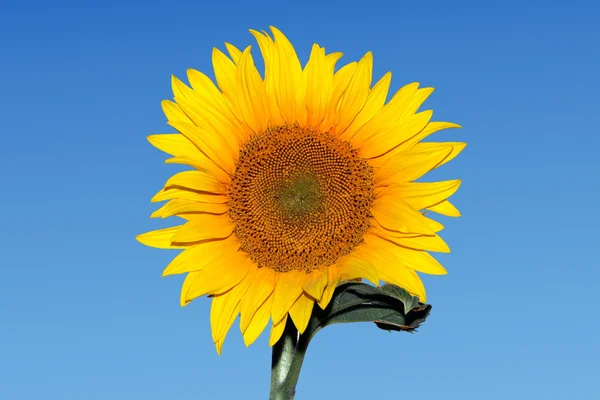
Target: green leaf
390	307
401	294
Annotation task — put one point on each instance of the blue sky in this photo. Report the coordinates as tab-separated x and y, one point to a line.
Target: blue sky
84	313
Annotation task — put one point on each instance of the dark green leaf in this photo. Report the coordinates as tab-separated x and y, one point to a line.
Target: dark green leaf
390	307
401	294
395	322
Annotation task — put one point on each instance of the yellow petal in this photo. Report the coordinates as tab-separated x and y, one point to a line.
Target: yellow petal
287	290
223	312
209	144
196	257
316	283
210	118
409	165
352	267
187	283
318	79
332	59
260	290
373	105
158	213
195	181
431	128
333	278
445	208
225	307
290	74
234	52
277	330
161	238
420	242
252	95
174	144
267	49
434	226
401	100
206	89
259	321
204	227
405	278
177	89
189	195
341	79
421	195
391	270
204	164
396	134
393	213
418	100
214	103
174	113
420	260
218	276
224	70
390	113
410	258
377	226
455	149
182	206
356	93
219	345
301	311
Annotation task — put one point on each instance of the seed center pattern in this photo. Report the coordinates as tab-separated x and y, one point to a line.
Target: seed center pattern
299	199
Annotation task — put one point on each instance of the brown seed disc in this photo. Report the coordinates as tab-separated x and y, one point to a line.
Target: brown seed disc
299	199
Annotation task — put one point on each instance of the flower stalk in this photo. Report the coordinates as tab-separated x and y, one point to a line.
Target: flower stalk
287	357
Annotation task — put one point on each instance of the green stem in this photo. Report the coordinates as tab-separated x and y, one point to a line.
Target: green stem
288	354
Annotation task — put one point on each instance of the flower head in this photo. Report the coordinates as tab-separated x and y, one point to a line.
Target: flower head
300	180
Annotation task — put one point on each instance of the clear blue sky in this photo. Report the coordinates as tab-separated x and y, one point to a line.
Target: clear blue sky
84	312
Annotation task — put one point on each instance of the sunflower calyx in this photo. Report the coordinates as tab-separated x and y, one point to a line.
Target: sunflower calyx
389	306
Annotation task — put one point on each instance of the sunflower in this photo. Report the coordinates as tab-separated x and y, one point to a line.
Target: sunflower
301	180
